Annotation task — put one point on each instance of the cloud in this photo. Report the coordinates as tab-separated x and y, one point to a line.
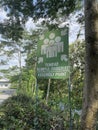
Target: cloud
2	14
30	24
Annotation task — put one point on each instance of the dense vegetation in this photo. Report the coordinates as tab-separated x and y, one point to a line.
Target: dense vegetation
29	111
22	113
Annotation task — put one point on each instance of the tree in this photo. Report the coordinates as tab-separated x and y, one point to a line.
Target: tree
10	51
90	100
18	12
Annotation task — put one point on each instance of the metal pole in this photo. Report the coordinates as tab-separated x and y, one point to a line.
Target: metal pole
36	90
36	97
70	110
36	85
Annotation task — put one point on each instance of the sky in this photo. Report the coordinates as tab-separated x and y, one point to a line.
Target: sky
2	15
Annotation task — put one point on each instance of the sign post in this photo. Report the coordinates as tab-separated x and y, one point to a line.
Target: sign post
53	58
52	62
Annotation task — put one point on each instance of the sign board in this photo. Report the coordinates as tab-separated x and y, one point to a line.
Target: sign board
52	55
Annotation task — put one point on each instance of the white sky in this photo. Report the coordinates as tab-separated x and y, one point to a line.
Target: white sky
2	15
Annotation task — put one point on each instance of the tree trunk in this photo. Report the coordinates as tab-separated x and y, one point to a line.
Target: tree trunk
90	97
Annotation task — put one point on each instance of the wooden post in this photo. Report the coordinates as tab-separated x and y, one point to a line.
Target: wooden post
48	90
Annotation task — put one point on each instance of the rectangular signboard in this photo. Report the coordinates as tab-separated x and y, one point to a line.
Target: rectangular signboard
52	55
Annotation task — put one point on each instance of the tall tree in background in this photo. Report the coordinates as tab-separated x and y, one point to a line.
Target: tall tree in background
90	100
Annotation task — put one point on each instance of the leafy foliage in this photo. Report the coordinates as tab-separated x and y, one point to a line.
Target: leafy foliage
58	97
22	113
77	75
77	57
19	12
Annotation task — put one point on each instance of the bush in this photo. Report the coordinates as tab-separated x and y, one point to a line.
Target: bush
22	113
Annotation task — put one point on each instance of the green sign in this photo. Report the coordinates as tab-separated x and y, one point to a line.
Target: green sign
52	55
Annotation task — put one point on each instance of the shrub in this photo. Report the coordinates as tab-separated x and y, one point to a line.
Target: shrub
22	113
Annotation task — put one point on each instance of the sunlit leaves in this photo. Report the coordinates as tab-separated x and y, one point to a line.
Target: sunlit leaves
19	12
77	55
